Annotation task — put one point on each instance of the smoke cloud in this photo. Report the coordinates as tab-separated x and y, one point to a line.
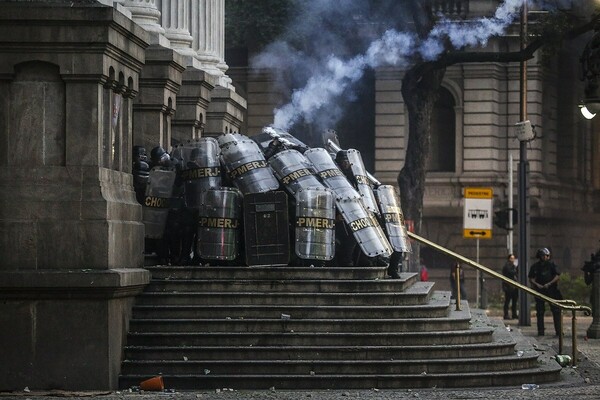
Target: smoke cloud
327	71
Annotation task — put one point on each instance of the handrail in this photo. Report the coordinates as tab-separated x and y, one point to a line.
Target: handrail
569	305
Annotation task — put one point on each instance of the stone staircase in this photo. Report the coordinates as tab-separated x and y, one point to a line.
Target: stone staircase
315	328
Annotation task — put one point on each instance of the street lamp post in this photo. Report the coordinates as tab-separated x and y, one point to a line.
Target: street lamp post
524	313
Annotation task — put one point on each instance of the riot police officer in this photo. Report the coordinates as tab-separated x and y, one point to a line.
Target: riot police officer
543	276
141	172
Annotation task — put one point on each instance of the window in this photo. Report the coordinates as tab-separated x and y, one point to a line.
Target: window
442	153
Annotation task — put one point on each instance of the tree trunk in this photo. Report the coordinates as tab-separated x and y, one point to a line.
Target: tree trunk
420	87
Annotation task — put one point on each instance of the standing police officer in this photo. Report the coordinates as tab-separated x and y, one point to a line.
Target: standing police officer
543	276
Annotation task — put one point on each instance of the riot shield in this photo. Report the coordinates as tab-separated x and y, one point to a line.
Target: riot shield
294	171
228	138
389	203
288	140
315	224
219	224
247	167
155	207
330	174
201	168
363	184
364	227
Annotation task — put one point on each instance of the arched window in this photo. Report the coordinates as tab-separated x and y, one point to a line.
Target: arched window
442	153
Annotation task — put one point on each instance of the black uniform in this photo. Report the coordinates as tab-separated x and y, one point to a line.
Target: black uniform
543	272
511	293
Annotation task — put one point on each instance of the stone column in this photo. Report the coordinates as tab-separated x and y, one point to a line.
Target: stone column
160	81
71	236
225	112
208	31
147	15
192	104
175	19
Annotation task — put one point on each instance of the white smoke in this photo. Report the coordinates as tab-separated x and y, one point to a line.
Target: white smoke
393	48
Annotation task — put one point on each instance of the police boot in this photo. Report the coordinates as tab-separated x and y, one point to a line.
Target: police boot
392	271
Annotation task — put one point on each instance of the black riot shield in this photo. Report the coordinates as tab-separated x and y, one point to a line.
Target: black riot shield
363	184
246	165
389	203
201	168
365	228
266	228
330	174
294	171
155	207
315	224
219	224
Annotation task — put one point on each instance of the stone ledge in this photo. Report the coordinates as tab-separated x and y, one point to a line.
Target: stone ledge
27	284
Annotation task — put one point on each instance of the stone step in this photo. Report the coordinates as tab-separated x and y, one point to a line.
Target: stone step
316	328
267	273
509	377
426	352
436	307
271	285
190	339
418	293
328	367
300	325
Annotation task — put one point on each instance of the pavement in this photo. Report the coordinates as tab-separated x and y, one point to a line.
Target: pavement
580	382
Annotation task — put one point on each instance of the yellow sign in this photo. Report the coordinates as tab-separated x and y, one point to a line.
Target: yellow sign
477	233
477	221
479	193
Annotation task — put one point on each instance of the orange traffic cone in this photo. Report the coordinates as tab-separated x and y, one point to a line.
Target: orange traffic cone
155	384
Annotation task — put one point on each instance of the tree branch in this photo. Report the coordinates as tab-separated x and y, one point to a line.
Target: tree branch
458	57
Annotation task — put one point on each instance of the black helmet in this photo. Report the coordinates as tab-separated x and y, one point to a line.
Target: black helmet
159	156
341	156
157	152
139	153
542	252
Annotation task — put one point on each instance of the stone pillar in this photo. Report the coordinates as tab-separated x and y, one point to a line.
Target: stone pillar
176	18
153	110
208	31
147	15
192	104
71	236
225	112
594	329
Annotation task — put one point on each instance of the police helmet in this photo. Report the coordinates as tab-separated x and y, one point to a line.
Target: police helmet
542	252
159	156
341	156
139	153
157	152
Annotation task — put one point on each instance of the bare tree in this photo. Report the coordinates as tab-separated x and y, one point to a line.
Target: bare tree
422	81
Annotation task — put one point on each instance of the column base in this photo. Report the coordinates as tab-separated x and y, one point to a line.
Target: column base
65	329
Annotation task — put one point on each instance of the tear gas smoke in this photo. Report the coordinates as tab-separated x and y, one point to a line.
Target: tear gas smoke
328	77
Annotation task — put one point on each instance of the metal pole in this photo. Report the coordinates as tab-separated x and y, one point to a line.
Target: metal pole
478	278
524	314
509	234
457	280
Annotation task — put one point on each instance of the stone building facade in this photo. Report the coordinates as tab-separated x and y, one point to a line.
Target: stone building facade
82	82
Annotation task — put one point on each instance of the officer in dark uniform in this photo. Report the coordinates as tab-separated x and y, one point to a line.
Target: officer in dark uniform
172	247
543	276
140	171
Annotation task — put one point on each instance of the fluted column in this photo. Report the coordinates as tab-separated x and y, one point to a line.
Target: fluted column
175	19
208	31
146	14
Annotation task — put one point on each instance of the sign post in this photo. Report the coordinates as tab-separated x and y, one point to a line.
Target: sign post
477	224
